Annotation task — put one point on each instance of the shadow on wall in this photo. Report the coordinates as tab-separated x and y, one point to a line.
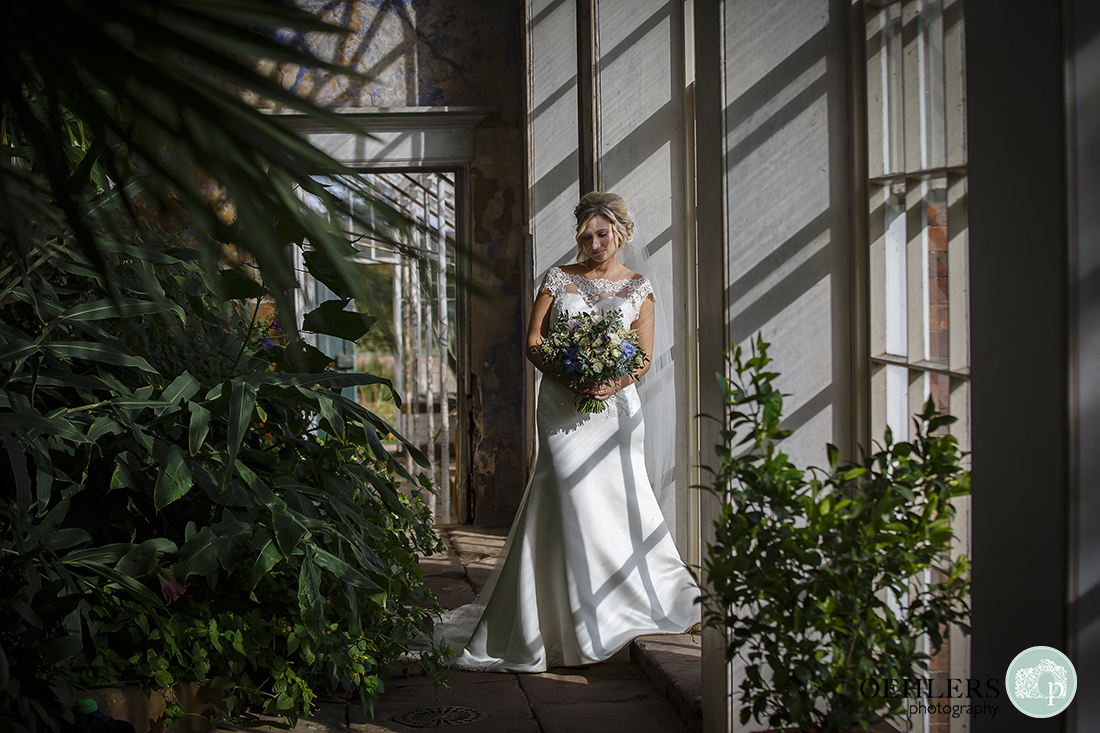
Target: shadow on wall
789	209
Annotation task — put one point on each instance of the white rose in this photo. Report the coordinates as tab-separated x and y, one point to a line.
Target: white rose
597	365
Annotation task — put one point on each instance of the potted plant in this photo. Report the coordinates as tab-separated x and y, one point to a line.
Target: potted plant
819	579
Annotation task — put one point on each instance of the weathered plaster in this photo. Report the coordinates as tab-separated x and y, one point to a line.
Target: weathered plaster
453	53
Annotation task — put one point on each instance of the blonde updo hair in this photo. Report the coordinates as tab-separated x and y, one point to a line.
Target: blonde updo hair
610	206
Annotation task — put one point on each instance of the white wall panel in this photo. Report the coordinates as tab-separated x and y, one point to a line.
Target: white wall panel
552	79
642	90
788	179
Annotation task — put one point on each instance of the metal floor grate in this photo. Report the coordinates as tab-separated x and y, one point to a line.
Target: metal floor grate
439	717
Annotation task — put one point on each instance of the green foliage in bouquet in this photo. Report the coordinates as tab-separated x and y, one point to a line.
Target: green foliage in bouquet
818	581
591	347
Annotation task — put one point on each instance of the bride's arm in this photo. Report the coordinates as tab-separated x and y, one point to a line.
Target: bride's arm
643	326
537	330
539	327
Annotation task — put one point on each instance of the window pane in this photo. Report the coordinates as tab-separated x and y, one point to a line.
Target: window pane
896	276
935	267
884	90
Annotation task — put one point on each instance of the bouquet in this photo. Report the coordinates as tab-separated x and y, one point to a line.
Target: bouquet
591	347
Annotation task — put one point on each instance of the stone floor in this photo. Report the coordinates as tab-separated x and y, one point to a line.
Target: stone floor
617	695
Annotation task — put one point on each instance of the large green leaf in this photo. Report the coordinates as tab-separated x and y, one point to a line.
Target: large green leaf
328	380
97	352
144	558
198	556
103	425
331	412
198	428
127	308
58	650
298	356
332	319
104	554
233	540
387	494
18	349
242	401
267	557
182	387
310	600
237	286
346	572
174	479
31	421
124	581
289	532
63	539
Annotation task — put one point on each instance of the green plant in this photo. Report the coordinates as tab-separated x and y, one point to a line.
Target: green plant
154	435
818	580
250	492
131	103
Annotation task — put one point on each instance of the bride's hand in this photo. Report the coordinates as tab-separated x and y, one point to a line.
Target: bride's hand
599	391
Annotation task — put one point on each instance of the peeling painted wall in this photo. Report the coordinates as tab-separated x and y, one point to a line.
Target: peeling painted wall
454	53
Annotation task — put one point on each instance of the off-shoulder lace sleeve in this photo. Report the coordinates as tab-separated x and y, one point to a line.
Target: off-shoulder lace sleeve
636	292
554	282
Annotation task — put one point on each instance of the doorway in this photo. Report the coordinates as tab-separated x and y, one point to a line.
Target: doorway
417	342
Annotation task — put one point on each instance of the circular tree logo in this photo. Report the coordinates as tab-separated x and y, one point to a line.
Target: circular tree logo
1041	682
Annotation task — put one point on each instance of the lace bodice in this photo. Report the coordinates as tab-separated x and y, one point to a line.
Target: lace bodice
575	293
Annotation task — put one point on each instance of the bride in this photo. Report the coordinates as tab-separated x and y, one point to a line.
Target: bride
589	563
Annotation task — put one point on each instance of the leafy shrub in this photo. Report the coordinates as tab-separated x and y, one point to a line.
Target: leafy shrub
235	479
816	579
155	436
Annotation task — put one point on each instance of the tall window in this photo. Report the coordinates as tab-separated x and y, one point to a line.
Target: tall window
917	190
917	263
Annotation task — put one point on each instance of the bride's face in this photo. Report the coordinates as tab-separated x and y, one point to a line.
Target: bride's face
599	239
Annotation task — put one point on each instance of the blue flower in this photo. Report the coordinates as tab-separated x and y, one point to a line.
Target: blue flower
628	349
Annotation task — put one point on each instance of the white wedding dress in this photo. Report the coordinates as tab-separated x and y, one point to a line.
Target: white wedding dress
589	563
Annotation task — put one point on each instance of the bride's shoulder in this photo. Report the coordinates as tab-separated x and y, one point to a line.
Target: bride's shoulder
574	269
637	280
555	281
